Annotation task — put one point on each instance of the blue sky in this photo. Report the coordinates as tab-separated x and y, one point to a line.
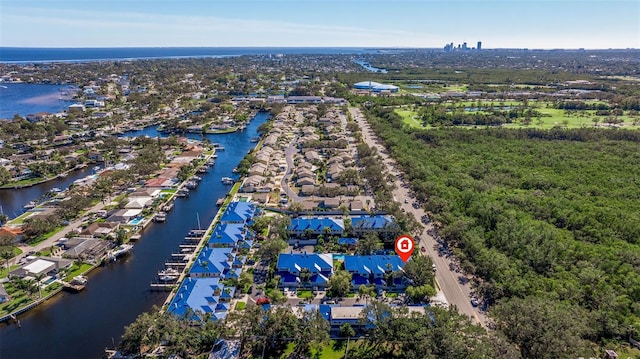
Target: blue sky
311	23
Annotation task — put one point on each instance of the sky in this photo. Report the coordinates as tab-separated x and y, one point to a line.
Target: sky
541	24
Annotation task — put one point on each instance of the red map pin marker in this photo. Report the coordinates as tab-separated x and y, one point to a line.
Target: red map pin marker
404	247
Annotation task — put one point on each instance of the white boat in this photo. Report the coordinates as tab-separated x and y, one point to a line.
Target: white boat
227	180
119	251
160	217
168	274
31	204
220	148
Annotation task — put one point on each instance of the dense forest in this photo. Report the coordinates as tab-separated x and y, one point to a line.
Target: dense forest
546	219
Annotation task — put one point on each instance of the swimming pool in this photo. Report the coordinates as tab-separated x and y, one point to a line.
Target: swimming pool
338	257
137	221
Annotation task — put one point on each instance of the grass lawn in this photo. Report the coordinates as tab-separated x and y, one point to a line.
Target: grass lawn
240	305
409	118
20	219
305	294
75	270
4	272
332	350
43	237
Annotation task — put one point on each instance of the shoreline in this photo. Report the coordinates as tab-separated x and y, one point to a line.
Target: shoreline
33	304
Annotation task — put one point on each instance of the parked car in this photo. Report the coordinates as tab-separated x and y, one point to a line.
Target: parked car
474	301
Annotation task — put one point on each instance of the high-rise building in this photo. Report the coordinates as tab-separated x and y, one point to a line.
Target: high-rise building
479	47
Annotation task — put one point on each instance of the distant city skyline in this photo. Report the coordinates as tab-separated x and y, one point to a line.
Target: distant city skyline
544	24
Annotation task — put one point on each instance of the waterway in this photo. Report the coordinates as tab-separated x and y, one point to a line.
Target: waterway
24	99
82	325
370	68
12	200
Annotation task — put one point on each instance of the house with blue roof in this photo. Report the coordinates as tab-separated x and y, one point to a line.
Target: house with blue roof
199	297
302	226
303	270
230	235
351	243
378	224
382	271
217	263
239	212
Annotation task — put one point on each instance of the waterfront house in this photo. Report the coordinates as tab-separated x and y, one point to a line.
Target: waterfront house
99	229
216	262
14	233
239	212
39	267
304	270
230	235
202	297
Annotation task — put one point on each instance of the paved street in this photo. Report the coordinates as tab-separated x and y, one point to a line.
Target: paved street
53	240
453	284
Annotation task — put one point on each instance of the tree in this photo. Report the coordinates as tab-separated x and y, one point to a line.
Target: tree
544	328
420	270
270	248
368	244
339	284
312	329
420	293
346	331
6	249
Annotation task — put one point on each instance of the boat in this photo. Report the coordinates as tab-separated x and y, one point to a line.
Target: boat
168	274
62	175
183	192
196	178
30	205
77	284
203	169
160	217
220	201
255	139
55	190
212	161
227	180
191	184
167	207
220	148
119	251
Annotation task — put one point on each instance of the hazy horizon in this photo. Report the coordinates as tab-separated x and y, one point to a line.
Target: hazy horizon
545	24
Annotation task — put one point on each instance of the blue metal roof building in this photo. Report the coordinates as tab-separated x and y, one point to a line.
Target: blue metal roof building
217	262
320	267
202	296
371	270
239	212
375	86
230	235
378	223
301	225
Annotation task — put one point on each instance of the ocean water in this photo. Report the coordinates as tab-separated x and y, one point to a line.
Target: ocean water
36	55
25	99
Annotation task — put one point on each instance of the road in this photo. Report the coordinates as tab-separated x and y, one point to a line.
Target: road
53	240
453	284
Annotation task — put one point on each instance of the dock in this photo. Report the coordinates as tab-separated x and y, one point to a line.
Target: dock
164	287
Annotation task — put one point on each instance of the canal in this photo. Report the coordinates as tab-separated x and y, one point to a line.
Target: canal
13	200
82	325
